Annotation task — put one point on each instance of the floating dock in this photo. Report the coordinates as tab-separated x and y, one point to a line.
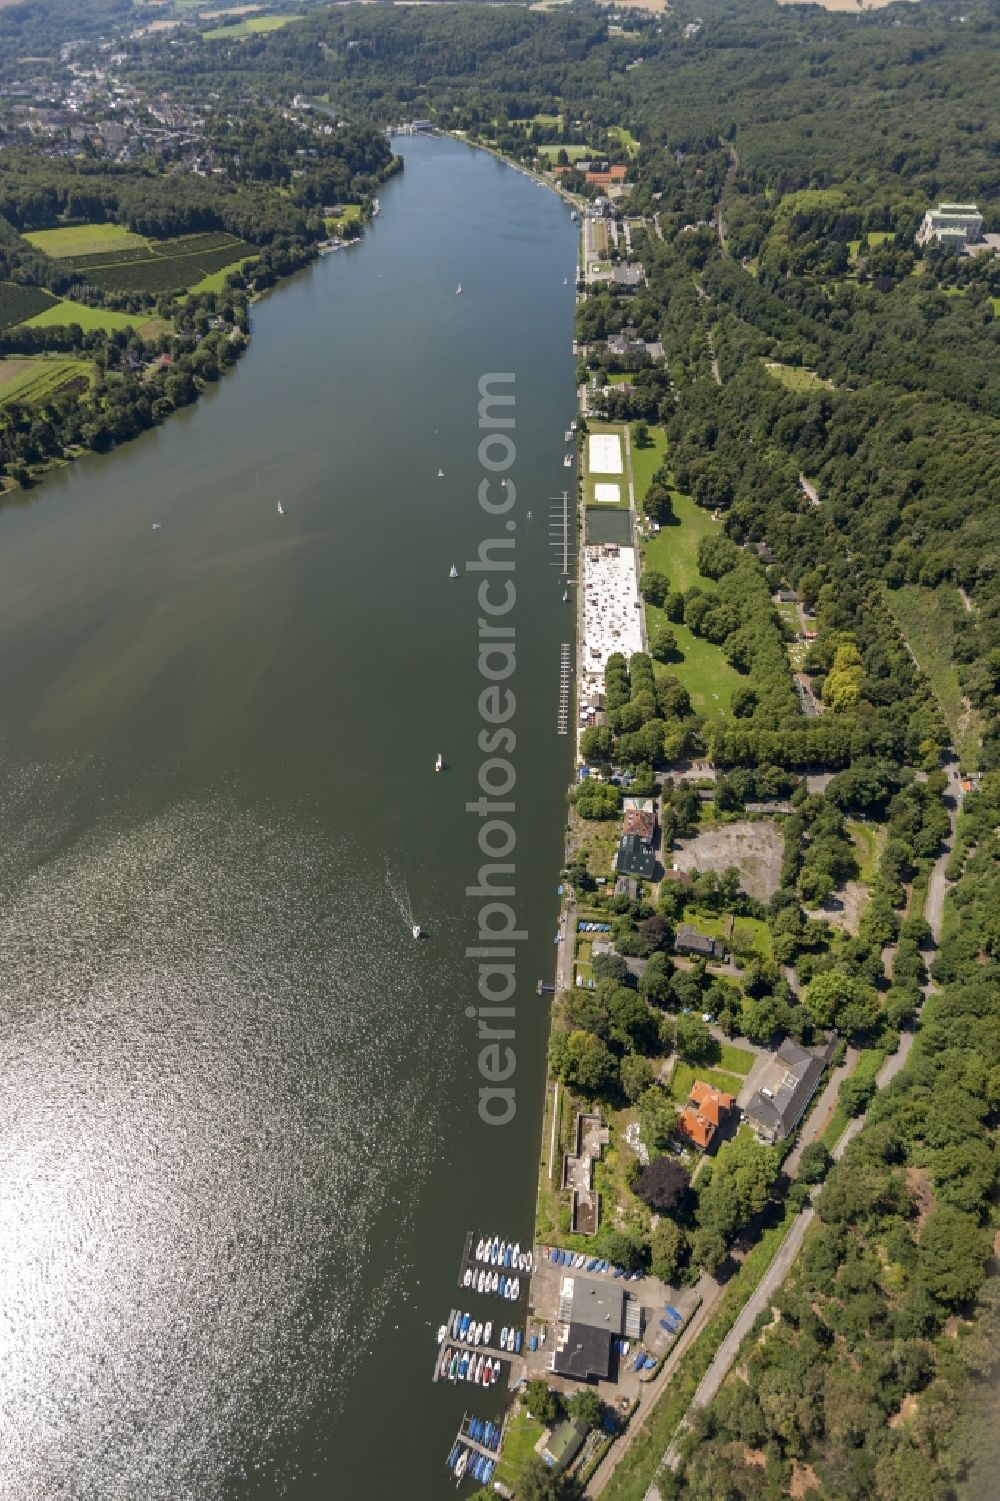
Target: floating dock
465	1348
565	676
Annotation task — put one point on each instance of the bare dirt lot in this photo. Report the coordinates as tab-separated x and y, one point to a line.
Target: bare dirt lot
755	848
841	5
844	908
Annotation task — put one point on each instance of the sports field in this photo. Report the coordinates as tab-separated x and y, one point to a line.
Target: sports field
84	239
251	27
604	454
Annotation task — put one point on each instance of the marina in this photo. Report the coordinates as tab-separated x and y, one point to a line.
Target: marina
565	684
465	1350
476	1448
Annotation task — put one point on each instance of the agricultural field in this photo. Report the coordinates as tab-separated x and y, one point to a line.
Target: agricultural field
21	304
64	312
73	240
35	381
168	273
250	27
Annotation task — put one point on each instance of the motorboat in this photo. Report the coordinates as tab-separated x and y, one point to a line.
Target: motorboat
439	762
415	930
157	525
281	509
458	290
487	1332
491	1371
503	1337
440	474
565	281
467	1279
462	1462
568	461
456	1325
466	1321
528	516
453	571
442	1334
515	1289
565	595
496	1373
517	1343
479	1367
481	1282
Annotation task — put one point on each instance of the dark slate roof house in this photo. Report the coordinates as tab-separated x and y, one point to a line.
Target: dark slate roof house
635	858
790	1083
690	941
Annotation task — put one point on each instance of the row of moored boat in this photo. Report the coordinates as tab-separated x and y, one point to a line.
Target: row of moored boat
500	1253
466	1365
468	1331
484	1433
591	1264
497	1283
462	1461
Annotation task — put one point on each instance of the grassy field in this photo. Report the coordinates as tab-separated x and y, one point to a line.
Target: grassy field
215	281
685	1074
868	839
925	617
735	1060
19	304
350	213
250	27
702	668
626	138
84	239
67	311
36	380
795	378
646	461
178	271
574	153
523	1433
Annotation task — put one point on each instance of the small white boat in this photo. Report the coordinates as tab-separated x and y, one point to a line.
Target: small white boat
528	516
458	290
467	1279
565	281
487	1332
463	1460
415	930
565	595
479	1251
503	1337
495	1373
281	509
439	762
453	571
572	426
568	461
442	1333
156	526
440	474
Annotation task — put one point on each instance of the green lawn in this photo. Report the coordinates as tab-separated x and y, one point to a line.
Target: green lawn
215	281
349	214
796	378
574	153
247	28
523	1433
736	1060
84	239
626	138
869	839
67	311
685	1074
925	617
646	461
867	1067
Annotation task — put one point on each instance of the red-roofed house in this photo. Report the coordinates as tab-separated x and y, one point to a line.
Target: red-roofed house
706	1110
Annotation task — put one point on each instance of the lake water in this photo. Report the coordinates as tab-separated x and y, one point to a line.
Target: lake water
239	1143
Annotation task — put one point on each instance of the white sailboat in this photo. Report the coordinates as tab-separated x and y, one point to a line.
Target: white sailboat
281	509
439	763
415	930
440	474
458	290
453	571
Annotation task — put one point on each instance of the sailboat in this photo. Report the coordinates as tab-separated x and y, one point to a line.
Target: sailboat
565	281
440	474
528	518
439	763
565	595
453	571
458	290
281	509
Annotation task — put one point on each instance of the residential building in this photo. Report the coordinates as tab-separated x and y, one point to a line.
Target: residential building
951	224
627	276
707	1109
786	1089
639	818
690	941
